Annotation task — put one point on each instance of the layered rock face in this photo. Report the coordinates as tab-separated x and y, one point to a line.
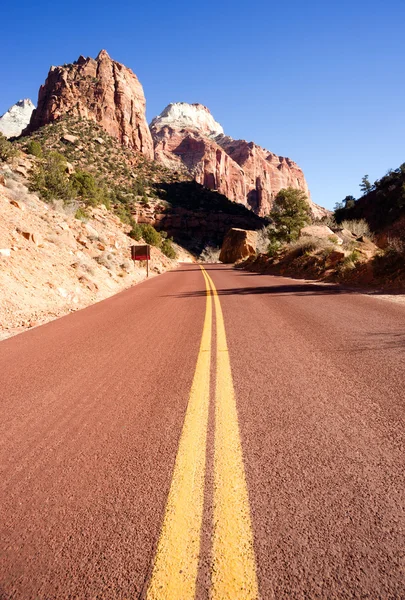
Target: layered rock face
187	135
16	118
101	90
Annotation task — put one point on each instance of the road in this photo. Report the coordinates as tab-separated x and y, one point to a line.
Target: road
206	434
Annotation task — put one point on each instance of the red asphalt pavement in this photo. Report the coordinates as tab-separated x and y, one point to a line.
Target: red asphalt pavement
92	407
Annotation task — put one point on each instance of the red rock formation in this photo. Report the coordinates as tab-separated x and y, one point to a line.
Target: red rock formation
101	90
242	171
204	159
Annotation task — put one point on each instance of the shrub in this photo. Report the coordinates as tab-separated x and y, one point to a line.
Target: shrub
357	226
390	263
34	148
82	214
136	232
333	238
150	235
7	150
167	248
210	254
262	240
305	245
273	247
349	262
123	212
86	187
50	178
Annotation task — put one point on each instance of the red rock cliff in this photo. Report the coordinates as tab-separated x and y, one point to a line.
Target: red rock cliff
101	90
187	135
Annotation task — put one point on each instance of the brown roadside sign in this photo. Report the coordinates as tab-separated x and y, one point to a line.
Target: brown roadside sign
140	252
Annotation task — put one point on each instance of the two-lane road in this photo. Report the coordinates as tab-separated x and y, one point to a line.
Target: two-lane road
206	434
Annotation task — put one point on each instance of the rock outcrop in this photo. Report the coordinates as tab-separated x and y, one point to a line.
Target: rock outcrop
187	135
238	244
100	90
16	118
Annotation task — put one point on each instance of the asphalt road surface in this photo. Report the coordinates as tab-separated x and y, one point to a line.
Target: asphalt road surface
208	434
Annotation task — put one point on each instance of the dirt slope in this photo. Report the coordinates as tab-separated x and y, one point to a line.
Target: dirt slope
52	263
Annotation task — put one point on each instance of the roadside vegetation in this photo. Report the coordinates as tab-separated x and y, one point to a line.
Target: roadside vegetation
334	249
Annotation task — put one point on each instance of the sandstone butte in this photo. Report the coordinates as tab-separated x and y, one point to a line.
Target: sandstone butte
101	90
187	135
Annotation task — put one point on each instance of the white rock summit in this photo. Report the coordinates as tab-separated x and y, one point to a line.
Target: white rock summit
188	116
16	118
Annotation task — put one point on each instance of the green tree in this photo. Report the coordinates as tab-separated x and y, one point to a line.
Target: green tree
365	185
349	202
290	213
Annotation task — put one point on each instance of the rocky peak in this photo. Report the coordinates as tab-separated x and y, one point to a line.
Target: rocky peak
181	115
16	118
187	135
103	54
101	90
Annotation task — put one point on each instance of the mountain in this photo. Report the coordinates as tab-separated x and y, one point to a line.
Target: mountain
184	137
188	135
100	90
16	118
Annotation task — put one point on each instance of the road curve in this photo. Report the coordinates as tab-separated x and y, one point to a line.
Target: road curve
304	410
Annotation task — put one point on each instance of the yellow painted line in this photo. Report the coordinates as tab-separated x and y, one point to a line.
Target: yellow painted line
234	566
176	562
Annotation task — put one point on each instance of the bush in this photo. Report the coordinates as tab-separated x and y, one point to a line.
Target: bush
210	254
136	232
34	148
82	214
123	212
167	249
357	226
305	245
273	247
150	235
262	240
50	178
7	150
86	187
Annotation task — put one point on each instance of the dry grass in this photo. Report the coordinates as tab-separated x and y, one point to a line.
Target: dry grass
210	254
358	227
262	241
306	245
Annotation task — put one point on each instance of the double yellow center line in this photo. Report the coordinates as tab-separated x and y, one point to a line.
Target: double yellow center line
176	562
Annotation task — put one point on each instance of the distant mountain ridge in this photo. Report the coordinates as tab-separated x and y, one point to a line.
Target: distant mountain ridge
16	118
183	137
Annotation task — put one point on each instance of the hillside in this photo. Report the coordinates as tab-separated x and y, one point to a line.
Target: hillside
52	263
383	207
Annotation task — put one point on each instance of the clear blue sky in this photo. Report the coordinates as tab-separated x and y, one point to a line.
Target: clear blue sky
319	81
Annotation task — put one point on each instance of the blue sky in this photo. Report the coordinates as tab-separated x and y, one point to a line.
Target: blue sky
320	82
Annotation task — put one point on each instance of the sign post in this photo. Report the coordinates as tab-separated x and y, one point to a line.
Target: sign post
141	253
